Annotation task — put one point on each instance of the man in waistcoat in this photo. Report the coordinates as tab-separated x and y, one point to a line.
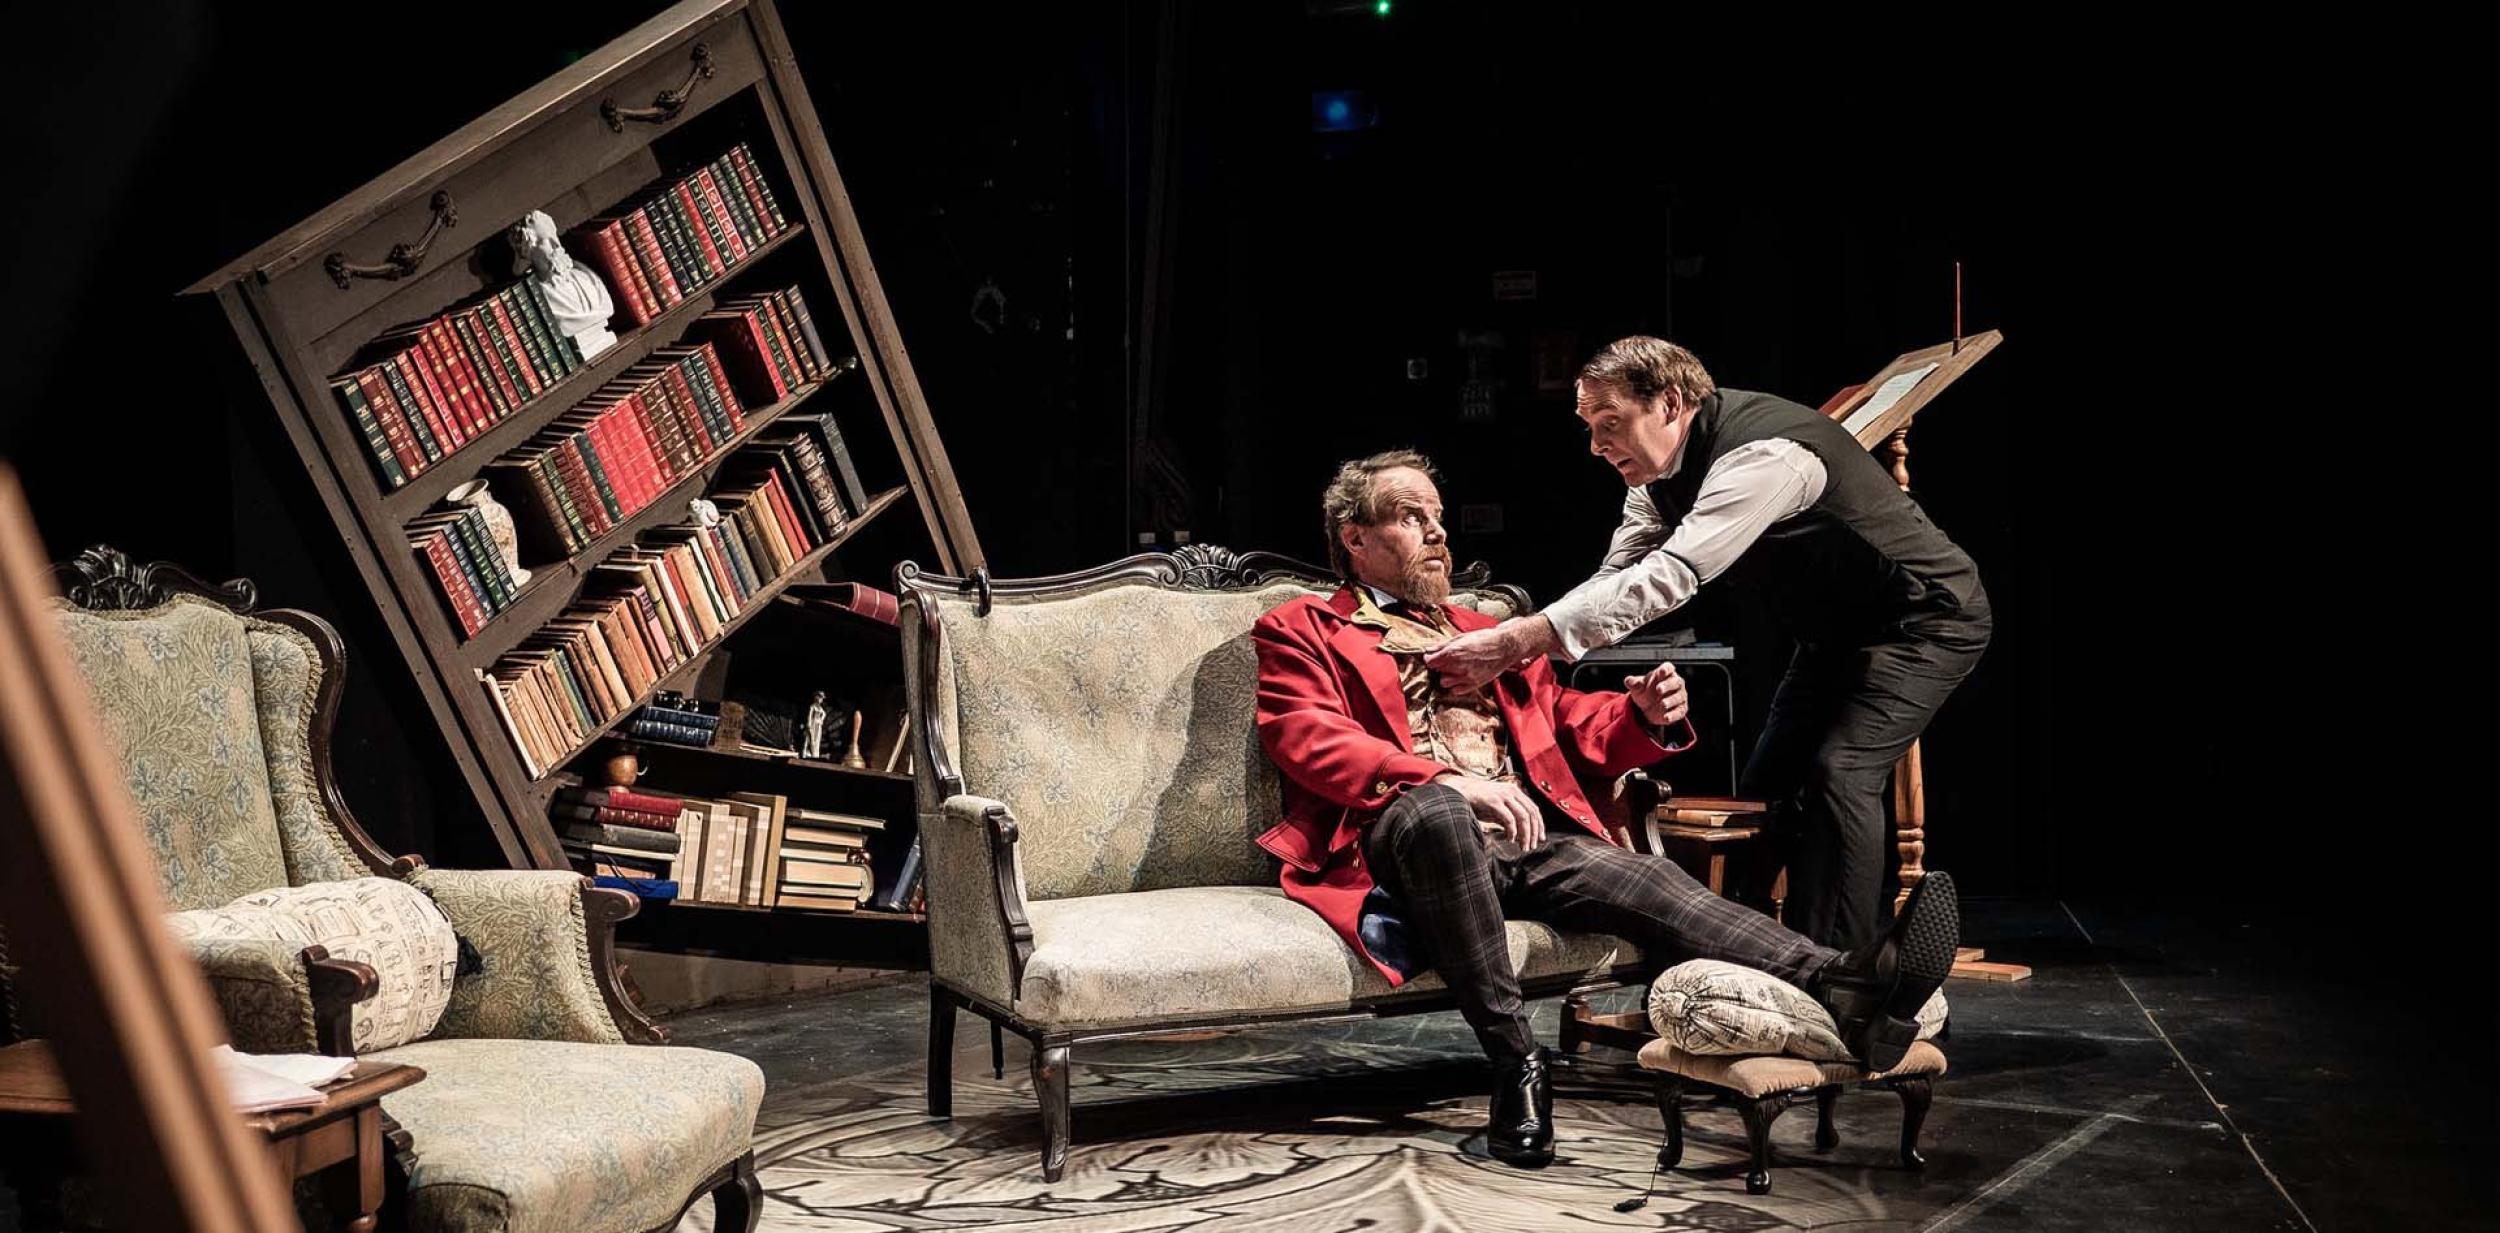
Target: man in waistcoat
1419	819
1763	494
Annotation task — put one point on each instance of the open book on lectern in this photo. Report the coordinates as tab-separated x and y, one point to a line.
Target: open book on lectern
1888	400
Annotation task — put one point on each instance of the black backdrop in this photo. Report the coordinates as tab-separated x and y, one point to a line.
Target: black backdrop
2228	478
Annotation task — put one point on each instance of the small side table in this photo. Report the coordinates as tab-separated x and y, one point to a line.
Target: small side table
342	1140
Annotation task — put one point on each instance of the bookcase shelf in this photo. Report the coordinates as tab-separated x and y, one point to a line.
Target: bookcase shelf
677	677
552	586
301	311
462	465
663	749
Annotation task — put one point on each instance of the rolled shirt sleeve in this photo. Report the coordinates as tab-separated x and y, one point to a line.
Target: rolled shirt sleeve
1651	570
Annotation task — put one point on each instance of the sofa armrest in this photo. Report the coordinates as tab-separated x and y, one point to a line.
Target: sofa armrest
979	938
531	932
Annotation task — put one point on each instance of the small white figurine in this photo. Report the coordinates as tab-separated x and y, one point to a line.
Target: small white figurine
575	297
814	746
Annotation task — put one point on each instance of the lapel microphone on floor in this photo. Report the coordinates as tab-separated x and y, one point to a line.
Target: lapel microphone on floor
1636	1204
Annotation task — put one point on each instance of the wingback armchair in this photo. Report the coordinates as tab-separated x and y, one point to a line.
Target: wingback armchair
538	1111
1091	786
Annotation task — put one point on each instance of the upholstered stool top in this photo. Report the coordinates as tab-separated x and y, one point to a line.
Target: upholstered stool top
1761	1075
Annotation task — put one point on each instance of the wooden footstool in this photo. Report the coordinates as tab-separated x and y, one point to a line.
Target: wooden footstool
1764	1087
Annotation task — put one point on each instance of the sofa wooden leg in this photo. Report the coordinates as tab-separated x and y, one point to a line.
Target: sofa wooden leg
1671	1113
1759	1113
998	1050
1916	1093
941	1052
1826	1136
739	1202
1050	1086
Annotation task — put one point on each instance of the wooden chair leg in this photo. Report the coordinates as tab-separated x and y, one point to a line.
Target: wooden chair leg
998	1050
1570	1040
1916	1094
1759	1113
941	1052
1826	1136
737	1204
1671	1114
1050	1086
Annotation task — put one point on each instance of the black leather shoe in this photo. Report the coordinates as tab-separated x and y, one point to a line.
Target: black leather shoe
1521	1132
1874	992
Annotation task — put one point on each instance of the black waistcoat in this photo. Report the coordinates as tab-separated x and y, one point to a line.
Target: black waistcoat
1863	564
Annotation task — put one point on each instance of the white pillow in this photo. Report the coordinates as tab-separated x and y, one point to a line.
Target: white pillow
1706	1006
379	921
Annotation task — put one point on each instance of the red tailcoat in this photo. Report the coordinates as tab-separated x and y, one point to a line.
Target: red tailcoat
1333	720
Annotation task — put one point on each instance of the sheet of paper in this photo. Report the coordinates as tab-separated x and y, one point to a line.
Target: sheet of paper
1887	394
260	1083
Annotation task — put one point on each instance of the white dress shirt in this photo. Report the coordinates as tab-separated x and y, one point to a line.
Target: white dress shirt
1651	570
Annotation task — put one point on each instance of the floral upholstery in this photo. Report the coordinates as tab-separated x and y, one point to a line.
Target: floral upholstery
286	690
966	933
1119	728
262	992
383	922
529	933
1146	956
523	1136
173	686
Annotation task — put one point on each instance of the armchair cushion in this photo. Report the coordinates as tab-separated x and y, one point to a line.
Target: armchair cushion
1215	950
524	1136
388	924
173	687
527	928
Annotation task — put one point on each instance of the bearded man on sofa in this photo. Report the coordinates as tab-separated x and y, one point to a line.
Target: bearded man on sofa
1418	818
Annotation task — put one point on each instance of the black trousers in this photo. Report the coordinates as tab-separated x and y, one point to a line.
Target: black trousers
1455	885
1842	717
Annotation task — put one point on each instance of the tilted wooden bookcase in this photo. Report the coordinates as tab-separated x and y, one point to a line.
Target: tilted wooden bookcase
671	94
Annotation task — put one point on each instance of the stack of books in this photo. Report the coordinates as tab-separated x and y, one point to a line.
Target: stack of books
824	860
643	612
439	384
624	834
461	553
671	718
623	447
676	239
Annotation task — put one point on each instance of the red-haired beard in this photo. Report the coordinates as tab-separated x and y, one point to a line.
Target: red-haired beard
1420	583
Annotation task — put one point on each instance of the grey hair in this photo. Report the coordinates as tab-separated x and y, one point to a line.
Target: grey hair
1352	497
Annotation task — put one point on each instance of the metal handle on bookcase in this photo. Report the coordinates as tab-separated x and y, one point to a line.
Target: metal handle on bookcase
404	258
666	104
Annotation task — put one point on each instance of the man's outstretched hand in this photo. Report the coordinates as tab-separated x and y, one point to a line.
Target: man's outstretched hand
1500	806
1658	694
1469	660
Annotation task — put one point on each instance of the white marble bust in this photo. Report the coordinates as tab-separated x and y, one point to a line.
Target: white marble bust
575	296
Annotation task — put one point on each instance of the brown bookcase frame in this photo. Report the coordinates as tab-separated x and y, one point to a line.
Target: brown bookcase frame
307	301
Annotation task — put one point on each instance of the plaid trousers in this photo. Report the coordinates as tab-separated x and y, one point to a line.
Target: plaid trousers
1455	885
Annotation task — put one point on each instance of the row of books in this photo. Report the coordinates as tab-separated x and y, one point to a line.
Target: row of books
772	341
643	612
751	849
684	235
458	548
620	449
441	383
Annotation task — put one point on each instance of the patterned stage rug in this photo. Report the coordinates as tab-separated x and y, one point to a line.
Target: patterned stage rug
1274	1132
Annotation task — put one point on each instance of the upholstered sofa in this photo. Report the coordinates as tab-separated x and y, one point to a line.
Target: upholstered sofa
539	1110
1091	787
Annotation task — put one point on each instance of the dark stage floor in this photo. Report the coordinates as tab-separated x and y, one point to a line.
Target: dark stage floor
2158	1072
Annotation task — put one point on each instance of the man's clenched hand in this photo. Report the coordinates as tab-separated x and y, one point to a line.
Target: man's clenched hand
1469	660
1658	694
